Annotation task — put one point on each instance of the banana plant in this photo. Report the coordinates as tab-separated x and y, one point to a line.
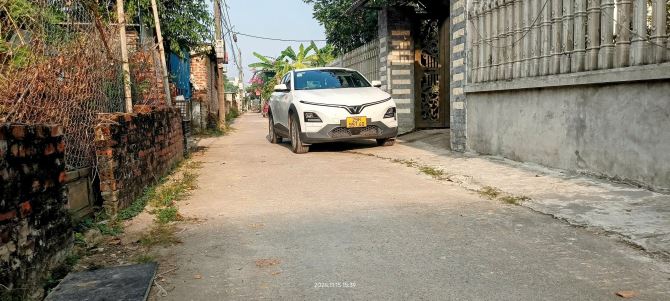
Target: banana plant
322	56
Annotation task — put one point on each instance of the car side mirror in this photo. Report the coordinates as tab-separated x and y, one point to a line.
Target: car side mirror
281	88
376	83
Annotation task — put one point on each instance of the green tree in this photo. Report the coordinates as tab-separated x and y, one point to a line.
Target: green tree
289	59
184	23
229	86
322	56
345	32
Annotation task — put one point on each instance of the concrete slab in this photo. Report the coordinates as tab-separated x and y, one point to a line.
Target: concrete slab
639	216
127	283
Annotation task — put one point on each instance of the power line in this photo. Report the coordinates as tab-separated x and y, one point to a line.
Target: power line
525	33
276	39
228	25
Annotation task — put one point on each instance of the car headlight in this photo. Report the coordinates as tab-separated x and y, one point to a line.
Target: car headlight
312	117
390	113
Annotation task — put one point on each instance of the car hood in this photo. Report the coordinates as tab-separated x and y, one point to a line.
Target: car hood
342	96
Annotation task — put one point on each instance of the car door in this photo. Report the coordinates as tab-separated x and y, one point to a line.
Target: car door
284	100
275	104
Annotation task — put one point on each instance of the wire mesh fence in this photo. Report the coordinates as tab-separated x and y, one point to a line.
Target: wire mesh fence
60	63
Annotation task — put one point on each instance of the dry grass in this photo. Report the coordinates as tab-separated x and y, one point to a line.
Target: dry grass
489	192
514	199
160	235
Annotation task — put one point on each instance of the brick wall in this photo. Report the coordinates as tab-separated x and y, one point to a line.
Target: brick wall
200	72
134	151
203	75
458	61
35	227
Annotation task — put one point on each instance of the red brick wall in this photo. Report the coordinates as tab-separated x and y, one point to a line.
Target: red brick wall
35	226
134	151
200	72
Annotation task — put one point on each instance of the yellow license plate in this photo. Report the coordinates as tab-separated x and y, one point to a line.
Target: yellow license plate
357	122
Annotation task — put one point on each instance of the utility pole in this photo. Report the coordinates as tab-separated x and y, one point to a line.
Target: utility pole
124	56
161	48
240	93
219	68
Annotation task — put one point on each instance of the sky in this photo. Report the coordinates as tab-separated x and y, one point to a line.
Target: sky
284	19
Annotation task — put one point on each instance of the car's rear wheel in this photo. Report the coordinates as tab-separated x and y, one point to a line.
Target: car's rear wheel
272	135
386	142
296	143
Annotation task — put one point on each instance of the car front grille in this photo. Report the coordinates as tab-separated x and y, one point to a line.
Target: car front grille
368	131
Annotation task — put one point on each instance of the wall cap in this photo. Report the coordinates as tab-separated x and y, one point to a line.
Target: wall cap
597	77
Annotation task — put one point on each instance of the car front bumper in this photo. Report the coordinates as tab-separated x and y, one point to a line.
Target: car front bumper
339	132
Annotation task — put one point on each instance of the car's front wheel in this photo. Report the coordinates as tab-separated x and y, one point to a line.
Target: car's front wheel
296	143
272	135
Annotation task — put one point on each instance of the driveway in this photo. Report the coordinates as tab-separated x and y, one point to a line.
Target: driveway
334	225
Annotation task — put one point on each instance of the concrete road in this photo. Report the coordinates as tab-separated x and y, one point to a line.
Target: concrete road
330	225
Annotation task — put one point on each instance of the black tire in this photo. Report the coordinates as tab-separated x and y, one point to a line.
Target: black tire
272	135
386	142
296	143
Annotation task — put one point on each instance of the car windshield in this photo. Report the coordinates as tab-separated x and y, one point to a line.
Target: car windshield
329	79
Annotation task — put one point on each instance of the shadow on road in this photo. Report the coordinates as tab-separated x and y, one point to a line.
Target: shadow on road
333	146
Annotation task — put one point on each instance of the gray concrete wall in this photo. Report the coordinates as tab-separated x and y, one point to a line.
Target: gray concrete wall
616	130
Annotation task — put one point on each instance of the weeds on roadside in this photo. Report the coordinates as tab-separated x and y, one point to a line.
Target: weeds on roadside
493	193
103	223
167	214
514	199
436	173
232	114
138	205
209	132
489	192
160	235
173	191
144	258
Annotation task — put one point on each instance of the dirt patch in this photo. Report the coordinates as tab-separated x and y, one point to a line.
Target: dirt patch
267	262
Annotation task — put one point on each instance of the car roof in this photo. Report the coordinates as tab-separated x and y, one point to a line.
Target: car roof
324	68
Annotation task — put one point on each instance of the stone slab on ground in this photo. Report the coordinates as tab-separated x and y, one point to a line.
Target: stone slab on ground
639	216
127	283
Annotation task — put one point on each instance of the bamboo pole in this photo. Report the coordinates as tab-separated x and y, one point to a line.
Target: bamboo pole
495	36
517	48
488	58
622	48
606	59
124	56
578	60
556	36
567	35
527	46
638	51
509	30
536	40
545	38
659	36
161	49
481	10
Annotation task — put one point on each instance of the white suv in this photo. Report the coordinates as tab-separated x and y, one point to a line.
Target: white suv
330	104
